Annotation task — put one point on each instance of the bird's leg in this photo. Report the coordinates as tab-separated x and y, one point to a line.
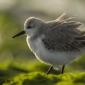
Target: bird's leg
50	68
62	70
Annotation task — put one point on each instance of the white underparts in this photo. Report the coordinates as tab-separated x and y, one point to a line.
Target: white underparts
50	57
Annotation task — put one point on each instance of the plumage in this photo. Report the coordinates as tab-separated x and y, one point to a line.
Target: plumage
58	41
63	35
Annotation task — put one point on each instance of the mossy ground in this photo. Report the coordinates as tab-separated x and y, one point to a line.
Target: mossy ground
34	73
39	78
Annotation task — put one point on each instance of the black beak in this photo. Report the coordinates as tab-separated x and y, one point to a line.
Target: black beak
20	33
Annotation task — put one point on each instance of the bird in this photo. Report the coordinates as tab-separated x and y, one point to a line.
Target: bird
55	42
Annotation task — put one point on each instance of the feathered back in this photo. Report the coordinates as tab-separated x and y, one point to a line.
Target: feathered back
63	35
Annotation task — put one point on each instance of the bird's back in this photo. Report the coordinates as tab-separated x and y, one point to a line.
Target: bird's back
64	35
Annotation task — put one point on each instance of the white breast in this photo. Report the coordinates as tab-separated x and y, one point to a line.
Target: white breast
49	57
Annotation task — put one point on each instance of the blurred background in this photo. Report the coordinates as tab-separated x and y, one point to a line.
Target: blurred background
15	56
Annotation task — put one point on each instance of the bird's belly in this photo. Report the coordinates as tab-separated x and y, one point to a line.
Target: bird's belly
50	57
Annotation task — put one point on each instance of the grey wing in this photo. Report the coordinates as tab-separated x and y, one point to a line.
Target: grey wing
64	36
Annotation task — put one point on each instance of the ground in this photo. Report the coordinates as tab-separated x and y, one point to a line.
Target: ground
39	78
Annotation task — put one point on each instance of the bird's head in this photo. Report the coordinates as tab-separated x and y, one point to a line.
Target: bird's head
31	27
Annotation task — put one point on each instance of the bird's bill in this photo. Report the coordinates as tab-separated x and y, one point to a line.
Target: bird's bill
19	34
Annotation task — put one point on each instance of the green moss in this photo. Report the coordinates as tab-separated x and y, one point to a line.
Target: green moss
38	78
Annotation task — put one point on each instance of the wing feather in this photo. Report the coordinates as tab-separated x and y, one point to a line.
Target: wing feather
63	36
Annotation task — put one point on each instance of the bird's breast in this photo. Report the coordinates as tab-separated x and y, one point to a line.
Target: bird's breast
38	48
46	56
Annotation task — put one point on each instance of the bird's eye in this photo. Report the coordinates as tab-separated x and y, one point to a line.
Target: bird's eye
28	27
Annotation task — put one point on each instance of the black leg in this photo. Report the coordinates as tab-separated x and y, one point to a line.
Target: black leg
63	67
50	68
